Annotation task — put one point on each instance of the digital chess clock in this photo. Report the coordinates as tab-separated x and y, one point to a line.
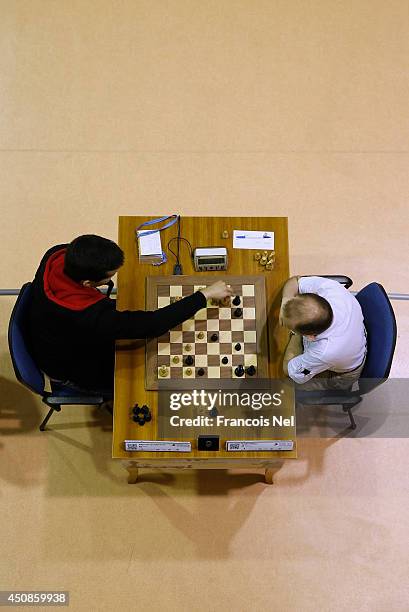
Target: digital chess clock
210	258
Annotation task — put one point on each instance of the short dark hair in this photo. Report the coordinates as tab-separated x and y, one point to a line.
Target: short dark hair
91	257
309	323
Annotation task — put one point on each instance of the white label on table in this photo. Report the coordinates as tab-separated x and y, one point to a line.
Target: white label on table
259	445
154	446
246	239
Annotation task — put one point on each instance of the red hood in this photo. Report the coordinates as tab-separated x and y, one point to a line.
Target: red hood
63	290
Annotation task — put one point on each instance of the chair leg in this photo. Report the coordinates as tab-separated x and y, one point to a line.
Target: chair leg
55	408
348	408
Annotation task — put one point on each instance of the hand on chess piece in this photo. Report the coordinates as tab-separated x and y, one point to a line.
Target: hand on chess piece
218	291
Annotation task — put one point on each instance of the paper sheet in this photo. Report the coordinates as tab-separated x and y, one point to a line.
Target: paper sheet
149	243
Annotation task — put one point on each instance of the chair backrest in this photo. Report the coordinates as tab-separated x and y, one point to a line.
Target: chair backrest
380	324
25	369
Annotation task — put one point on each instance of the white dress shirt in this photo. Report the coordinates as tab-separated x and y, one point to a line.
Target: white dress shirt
342	347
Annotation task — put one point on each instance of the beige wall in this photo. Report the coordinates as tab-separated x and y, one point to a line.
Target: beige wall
280	107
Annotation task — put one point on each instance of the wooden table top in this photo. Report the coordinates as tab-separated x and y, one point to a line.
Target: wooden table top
130	355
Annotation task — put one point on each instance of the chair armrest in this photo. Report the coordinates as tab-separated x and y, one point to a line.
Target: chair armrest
343	280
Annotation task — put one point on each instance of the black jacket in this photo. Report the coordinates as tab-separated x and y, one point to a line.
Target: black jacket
77	343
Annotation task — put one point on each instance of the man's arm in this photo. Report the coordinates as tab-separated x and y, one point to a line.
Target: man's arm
294	348
290	290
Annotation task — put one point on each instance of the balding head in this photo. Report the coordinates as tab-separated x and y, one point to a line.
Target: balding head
308	314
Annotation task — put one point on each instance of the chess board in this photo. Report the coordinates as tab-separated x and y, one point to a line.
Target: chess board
217	340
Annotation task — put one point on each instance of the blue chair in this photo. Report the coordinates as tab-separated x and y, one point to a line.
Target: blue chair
380	324
26	370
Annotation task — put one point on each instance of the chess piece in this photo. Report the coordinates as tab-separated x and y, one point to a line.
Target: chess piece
225	360
238	312
188	371
263	260
239	371
225	301
200	372
269	265
200	335
189	360
225	234
163	371
188	347
251	370
214	337
175	359
237	346
272	255
257	256
265	253
237	300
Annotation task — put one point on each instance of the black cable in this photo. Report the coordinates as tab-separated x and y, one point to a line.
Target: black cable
177	268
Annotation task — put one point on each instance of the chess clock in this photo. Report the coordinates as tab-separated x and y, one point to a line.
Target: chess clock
210	258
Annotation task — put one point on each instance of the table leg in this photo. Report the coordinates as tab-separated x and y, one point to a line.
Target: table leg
132	472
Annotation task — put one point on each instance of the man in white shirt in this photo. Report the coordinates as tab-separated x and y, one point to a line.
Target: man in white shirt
328	336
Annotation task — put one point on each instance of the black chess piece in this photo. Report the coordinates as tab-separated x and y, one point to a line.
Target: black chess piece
237	346
189	360
251	370
214	412
200	372
141	414
214	337
236	300
238	312
239	371
225	360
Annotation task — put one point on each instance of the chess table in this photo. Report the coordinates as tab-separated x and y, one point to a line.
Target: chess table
138	363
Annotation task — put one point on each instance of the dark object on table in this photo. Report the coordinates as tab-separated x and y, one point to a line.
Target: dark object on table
251	370
225	360
207	442
237	300
200	372
237	346
238	312
189	360
214	337
239	371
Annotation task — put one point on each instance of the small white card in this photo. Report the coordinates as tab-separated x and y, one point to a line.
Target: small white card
247	239
149	243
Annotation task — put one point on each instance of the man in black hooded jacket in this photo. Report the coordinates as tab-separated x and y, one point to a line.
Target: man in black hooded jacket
73	326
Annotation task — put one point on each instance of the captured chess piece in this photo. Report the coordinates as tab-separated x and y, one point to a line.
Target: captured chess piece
257	256
225	234
239	371
141	414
